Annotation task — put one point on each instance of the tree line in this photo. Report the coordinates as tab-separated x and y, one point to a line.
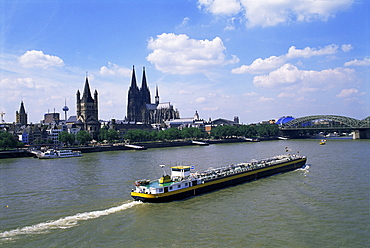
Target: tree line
224	132
83	137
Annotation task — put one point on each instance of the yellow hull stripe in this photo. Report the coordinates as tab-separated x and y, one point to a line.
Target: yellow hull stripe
221	180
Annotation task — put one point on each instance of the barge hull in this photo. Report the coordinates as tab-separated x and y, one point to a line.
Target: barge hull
220	183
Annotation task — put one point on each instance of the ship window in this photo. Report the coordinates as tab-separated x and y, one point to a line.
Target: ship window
179	186
171	188
160	190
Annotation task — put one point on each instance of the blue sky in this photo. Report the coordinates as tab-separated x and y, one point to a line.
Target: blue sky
258	60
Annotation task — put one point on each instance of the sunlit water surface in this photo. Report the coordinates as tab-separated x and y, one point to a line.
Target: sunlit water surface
85	202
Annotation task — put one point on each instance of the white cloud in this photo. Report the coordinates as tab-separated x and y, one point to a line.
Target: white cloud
347	92
271	63
114	70
364	62
265	99
19	83
178	54
346	47
250	94
273	12
35	58
308	52
261	65
290	75
221	7
200	99
287	74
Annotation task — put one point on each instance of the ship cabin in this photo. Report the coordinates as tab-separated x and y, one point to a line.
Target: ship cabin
179	172
179	179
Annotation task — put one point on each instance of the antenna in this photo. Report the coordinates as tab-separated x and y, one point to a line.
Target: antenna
162	166
65	109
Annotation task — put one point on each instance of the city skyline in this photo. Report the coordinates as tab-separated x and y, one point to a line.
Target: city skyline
256	60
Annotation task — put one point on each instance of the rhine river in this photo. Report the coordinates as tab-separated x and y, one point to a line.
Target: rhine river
85	202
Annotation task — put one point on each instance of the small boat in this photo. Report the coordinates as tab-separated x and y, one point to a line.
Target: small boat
183	183
199	143
322	142
135	147
52	153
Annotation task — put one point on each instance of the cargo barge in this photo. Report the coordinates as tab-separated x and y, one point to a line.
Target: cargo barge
184	184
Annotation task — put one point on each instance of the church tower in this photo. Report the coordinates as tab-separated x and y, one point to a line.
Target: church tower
133	101
21	116
156	96
87	110
144	91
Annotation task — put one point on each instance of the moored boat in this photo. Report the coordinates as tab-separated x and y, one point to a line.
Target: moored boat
51	153
183	183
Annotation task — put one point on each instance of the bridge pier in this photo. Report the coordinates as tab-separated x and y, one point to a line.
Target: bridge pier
361	134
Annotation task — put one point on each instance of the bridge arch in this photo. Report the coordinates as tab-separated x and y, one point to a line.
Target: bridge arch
365	122
306	122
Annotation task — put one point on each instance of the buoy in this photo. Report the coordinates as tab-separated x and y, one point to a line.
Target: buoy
7	206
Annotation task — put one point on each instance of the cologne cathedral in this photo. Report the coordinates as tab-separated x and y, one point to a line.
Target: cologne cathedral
139	106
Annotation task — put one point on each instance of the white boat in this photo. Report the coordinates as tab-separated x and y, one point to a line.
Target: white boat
51	153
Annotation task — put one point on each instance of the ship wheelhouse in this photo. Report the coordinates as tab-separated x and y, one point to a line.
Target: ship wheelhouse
180	172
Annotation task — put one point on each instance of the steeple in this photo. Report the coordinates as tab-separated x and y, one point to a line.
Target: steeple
87	110
21	116
145	93
87	94
134	99
133	79
156	96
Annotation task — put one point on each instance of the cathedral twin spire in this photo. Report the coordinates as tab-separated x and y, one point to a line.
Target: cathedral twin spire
138	98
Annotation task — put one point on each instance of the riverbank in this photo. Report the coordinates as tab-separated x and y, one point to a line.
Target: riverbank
145	145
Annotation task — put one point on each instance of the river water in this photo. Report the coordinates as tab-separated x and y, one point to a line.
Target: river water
85	202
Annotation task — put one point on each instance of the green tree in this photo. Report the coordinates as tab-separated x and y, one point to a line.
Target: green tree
169	134
193	132
108	134
137	135
112	135
7	140
83	137
67	138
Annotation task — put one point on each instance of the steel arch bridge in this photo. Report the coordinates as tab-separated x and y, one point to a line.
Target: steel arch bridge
329	121
326	123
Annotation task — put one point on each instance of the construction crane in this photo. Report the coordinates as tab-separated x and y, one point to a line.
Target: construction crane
2	116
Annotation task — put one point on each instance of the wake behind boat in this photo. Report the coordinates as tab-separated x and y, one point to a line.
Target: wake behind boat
183	184
51	153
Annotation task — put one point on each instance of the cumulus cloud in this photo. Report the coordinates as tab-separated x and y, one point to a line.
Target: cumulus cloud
271	63
271	12
308	52
289	75
178	54
114	70
35	58
364	62
261	65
